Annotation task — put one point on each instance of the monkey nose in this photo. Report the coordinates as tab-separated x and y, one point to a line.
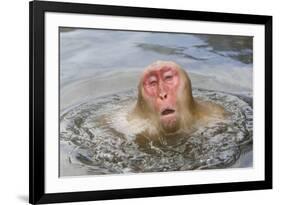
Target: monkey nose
163	96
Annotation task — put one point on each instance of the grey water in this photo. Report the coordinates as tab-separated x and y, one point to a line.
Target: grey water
99	72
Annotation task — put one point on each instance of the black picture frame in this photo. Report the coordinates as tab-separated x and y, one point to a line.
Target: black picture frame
37	9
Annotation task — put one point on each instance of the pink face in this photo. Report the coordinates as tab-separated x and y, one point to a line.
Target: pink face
161	86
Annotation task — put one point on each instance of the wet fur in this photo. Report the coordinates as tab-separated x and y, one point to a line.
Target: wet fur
193	112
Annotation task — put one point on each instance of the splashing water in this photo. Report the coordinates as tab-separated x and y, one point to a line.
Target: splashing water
95	138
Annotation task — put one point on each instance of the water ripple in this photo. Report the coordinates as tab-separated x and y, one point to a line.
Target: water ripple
96	139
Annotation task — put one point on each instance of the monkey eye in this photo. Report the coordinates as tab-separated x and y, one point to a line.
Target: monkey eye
168	77
153	83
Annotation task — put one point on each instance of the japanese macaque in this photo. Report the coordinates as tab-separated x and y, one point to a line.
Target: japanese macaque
166	104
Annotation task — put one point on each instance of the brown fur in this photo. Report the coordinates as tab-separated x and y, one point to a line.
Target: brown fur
192	111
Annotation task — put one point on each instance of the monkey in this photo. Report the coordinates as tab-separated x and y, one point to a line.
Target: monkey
165	102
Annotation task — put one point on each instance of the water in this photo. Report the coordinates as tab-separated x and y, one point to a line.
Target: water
99	71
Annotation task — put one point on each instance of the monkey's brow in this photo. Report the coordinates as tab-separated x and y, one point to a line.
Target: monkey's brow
166	68
151	73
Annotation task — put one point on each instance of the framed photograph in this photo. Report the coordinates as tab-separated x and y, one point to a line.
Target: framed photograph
140	102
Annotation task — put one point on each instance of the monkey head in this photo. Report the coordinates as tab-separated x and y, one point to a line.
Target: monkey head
165	96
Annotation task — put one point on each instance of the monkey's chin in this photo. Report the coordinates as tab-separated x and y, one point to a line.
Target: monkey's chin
169	124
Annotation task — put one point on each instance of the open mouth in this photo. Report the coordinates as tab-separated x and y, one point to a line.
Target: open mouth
167	112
